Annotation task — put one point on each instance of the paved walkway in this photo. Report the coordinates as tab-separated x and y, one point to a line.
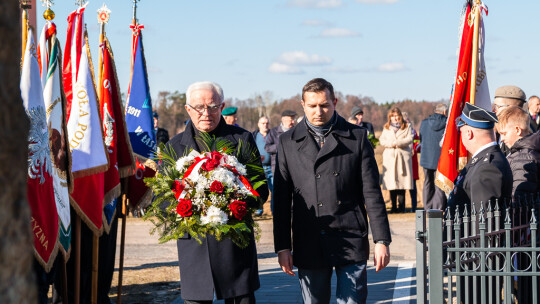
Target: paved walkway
395	284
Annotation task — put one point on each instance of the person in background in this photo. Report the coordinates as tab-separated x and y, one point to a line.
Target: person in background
506	96
524	159
534	112
287	122
397	139
230	115
431	134
260	138
358	113
162	135
352	120
415	149
323	200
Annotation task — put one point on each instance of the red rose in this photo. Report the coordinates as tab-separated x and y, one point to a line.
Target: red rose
184	207
210	165
238	209
216	187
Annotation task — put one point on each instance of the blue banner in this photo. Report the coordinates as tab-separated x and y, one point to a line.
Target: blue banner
139	120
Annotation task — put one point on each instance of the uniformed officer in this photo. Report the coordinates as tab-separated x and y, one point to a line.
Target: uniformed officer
487	176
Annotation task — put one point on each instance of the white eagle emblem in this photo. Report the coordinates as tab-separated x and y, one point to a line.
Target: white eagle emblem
39	152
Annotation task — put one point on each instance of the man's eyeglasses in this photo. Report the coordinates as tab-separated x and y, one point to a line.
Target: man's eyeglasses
201	108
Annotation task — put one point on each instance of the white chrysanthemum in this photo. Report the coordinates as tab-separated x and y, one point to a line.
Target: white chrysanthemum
224	176
201	183
181	163
214	216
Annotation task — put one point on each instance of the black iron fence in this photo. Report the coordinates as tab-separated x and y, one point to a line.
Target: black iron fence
486	253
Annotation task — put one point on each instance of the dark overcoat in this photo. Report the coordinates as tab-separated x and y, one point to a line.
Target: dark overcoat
486	177
218	266
331	191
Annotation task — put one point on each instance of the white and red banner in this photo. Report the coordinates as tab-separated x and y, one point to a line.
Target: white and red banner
453	153
40	189
89	156
49	58
121	159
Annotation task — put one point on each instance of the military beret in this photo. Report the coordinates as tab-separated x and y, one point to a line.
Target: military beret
288	113
356	110
509	91
476	117
155	114
229	111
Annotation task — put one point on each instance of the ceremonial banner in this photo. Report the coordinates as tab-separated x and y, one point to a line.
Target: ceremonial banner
117	141
49	58
40	189
453	153
140	123
89	157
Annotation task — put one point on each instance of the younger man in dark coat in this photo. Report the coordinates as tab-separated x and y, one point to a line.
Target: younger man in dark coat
326	180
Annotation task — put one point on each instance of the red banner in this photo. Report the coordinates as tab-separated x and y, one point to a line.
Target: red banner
116	139
453	153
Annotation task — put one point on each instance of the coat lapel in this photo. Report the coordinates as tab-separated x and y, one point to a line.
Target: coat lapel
304	144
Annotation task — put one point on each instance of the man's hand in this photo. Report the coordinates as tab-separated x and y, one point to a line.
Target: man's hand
262	157
381	257
285	261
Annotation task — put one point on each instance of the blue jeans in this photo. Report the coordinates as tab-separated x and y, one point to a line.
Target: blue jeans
351	284
270	184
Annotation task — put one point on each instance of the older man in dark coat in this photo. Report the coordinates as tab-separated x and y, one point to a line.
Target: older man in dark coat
215	267
327	176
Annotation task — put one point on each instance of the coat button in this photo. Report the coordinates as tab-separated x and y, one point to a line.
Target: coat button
339	202
336	173
317	175
320	204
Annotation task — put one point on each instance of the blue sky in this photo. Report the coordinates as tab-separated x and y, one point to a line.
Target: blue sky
385	49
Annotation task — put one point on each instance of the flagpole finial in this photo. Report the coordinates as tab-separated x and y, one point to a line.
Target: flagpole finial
81	3
103	14
25	4
135	11
48	14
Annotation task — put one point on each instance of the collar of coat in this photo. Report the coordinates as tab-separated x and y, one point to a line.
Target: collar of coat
190	133
340	129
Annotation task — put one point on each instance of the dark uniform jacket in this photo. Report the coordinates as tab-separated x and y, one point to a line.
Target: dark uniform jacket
271	146
217	265
524	159
330	191
486	177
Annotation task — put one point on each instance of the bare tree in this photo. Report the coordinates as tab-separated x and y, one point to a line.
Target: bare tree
17	282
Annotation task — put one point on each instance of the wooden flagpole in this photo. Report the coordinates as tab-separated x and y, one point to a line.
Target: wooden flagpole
474	60
24	23
125	189
77	289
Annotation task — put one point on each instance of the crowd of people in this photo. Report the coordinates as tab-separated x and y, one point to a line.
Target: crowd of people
324	181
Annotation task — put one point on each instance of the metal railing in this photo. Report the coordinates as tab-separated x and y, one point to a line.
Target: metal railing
481	255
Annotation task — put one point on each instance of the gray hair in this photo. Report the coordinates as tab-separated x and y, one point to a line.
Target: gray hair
205	85
441	108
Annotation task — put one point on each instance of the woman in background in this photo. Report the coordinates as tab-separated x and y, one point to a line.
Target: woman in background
415	150
397	177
